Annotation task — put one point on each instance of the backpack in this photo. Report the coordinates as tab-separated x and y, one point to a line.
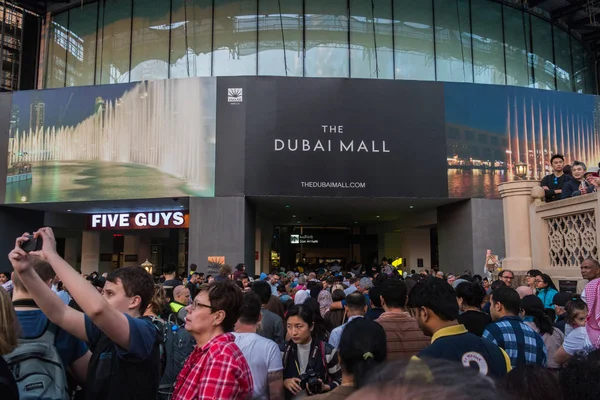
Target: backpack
38	369
176	346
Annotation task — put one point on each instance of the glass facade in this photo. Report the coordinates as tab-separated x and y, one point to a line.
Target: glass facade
478	41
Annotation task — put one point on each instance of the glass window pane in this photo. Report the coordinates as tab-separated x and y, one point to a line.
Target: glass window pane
191	38
562	50
235	38
578	66
326	38
590	73
81	57
488	43
542	59
516	35
278	31
453	41
98	78
150	46
371	44
116	40
413	40
57	51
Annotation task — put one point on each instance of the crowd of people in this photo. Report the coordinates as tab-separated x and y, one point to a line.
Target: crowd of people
328	334
567	181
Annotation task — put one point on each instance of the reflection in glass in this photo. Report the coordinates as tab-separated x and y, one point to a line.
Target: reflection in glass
413	40
564	70
116	40
590	73
280	27
234	51
82	45
150	40
191	38
57	51
517	48
488	45
326	24
453	41
578	67
371	39
542	59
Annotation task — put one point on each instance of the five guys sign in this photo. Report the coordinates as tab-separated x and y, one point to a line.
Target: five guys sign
140	220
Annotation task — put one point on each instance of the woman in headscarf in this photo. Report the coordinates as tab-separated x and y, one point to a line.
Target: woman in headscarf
325	301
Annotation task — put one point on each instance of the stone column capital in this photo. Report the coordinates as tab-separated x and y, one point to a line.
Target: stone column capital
517	188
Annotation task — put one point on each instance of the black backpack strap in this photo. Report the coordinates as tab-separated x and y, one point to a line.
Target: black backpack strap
25	303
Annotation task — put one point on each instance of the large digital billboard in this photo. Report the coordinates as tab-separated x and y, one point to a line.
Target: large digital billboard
490	129
339	137
126	141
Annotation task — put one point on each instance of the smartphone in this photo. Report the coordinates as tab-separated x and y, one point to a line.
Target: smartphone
33	244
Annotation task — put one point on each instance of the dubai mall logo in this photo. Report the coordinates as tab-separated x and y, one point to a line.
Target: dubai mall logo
234	95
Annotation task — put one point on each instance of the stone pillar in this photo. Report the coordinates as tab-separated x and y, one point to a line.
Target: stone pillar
221	227
131	247
516	199
71	250
90	251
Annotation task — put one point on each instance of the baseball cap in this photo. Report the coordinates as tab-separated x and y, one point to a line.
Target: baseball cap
561	299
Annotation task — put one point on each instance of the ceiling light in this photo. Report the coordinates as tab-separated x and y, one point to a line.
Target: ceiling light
298	221
180	206
411	206
287	206
293	216
378	216
68	210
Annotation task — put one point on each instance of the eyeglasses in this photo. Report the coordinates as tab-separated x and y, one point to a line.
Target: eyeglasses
195	305
538	281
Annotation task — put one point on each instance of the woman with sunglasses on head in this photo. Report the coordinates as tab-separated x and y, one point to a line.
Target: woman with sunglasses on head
216	369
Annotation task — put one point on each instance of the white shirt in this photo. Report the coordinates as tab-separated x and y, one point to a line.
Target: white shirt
577	341
263	356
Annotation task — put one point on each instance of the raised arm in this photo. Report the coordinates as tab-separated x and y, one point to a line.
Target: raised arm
106	317
51	305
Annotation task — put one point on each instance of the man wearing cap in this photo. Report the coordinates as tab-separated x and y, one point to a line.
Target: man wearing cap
181	300
578	185
554	183
560	301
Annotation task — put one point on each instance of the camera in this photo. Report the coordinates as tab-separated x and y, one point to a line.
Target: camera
311	379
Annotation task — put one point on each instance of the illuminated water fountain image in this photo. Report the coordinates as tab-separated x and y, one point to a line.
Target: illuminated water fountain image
490	131
156	140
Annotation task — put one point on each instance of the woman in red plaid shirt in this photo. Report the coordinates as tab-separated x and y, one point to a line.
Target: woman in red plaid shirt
216	369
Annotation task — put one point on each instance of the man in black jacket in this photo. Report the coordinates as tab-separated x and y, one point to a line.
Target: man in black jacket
554	183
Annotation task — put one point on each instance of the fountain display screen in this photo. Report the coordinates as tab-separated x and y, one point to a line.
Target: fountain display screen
143	140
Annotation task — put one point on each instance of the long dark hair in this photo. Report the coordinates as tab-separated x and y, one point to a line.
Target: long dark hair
533	307
548	281
320	330
363	346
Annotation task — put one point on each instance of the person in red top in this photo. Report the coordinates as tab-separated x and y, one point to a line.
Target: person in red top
216	369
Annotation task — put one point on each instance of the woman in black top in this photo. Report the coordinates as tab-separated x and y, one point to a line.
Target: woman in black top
470	296
310	365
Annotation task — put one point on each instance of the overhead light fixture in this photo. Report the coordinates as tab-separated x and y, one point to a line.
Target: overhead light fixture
180	206
293	216
378	216
356	222
68	210
298	221
287	206
411	206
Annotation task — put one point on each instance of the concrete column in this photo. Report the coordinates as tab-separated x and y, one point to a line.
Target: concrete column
90	252
71	250
106	247
516	199
143	250
131	246
222	227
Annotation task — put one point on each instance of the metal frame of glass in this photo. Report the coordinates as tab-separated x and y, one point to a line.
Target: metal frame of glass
394	39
